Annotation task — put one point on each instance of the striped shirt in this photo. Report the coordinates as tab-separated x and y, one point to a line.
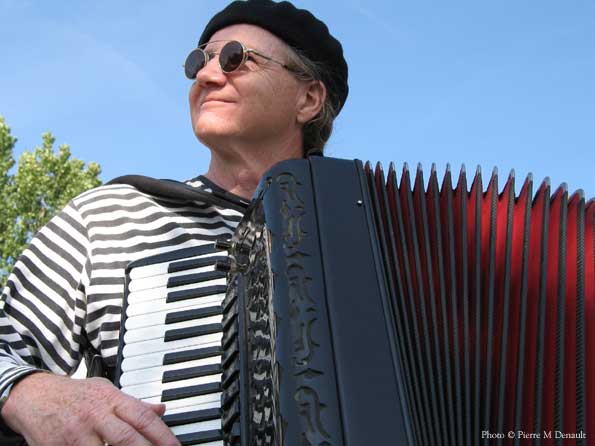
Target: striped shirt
65	292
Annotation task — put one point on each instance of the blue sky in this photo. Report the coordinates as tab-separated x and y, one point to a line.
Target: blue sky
506	84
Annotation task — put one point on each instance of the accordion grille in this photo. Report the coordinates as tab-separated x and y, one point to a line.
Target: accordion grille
494	304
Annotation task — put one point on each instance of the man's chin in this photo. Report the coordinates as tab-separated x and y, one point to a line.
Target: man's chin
208	128
212	138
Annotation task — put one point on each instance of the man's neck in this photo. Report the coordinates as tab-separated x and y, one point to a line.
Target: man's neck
239	169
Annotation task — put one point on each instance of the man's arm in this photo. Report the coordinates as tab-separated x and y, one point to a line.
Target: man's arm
42	305
42	312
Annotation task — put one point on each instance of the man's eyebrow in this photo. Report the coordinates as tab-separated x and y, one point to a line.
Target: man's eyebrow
214	45
210	47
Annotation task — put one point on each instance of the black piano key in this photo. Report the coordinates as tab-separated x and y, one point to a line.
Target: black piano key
230	315
229	394
229	354
195	313
190	355
223	245
234	434
195	416
172	256
229	372
230	299
223	266
189	279
229	335
200	437
190	391
190	332
176	296
191	372
231	415
199	262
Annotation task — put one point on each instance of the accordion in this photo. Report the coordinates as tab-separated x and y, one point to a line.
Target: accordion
366	310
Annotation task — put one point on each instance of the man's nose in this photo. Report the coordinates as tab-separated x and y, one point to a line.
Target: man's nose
211	73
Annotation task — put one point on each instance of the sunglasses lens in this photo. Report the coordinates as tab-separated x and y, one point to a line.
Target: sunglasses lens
231	56
194	62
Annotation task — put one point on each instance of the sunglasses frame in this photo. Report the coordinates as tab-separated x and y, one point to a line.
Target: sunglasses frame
245	54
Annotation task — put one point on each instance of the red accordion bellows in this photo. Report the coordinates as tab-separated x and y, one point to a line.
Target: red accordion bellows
494	296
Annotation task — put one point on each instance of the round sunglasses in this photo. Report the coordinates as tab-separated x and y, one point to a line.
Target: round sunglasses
232	56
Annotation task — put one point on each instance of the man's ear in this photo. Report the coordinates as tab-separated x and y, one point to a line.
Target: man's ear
311	101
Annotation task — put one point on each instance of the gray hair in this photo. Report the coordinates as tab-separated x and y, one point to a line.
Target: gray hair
317	131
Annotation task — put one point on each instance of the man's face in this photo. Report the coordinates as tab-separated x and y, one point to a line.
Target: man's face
256	103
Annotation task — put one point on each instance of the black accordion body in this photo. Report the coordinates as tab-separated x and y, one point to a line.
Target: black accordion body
362	310
357	309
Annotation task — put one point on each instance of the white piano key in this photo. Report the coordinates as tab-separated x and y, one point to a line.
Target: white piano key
169	410
158	331
156	359
143	296
162	292
211	399
146	283
161	268
158	345
155	388
160	305
196	427
156	373
145	320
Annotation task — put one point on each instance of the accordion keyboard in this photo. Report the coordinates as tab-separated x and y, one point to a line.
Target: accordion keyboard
170	342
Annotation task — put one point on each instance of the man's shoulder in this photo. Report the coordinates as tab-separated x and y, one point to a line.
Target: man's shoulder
108	191
136	191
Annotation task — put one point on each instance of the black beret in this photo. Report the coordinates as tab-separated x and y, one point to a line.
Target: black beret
296	27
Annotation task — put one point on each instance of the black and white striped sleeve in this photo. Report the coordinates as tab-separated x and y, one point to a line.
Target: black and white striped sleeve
43	306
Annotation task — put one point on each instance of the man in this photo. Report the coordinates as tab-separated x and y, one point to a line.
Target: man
268	81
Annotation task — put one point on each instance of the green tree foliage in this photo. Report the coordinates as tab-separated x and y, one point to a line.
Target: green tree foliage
43	183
